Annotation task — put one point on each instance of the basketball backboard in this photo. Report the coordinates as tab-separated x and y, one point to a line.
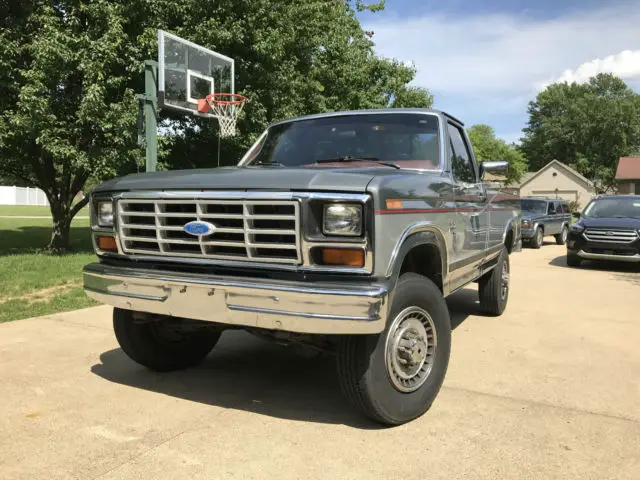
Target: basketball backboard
188	72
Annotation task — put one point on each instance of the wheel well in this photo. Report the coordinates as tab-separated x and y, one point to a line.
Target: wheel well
508	241
424	260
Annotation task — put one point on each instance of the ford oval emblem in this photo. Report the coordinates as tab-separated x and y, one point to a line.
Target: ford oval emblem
199	229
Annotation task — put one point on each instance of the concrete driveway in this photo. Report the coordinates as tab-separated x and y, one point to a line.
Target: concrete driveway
549	390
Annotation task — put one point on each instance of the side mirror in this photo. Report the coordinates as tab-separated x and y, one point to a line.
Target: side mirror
576	214
493	167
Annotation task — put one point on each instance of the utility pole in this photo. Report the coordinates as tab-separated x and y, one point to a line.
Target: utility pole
150	108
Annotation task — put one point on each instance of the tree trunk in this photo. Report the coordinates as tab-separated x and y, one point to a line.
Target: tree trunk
60	234
62	216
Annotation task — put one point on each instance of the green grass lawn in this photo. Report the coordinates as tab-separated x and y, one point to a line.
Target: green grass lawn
32	211
33	282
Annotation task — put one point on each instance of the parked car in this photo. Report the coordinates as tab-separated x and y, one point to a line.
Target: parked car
543	217
344	230
607	229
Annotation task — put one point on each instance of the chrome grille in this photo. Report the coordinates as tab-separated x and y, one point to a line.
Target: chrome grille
250	230
610	236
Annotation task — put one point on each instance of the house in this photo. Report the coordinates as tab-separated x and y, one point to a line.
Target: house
628	175
555	180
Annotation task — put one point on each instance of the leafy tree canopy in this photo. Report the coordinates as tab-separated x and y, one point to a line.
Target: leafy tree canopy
588	126
69	71
488	147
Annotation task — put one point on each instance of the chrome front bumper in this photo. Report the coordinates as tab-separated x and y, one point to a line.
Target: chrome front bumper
613	258
327	308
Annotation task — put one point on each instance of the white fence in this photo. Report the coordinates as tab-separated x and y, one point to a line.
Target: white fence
22	196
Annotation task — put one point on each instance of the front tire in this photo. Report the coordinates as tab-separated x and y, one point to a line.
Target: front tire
561	238
157	346
395	376
538	238
493	288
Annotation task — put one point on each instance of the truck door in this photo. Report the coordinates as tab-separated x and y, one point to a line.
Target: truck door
472	218
554	219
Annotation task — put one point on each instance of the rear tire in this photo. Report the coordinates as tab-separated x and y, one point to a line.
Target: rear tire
395	376
561	238
538	238
158	347
493	288
573	260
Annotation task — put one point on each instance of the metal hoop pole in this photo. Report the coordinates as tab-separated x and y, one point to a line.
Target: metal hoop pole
218	148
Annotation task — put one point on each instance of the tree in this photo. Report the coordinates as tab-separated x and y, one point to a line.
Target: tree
292	58
588	126
69	70
488	147
67	108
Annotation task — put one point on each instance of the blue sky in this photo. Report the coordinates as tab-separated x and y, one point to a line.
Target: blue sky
484	60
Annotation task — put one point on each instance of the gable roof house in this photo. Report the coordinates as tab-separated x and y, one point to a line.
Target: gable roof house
628	175
555	180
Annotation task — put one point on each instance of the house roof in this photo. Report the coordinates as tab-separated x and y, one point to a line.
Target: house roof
524	179
628	168
529	176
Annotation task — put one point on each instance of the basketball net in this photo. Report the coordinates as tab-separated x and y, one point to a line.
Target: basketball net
225	106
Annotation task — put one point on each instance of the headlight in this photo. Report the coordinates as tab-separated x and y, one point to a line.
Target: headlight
526	223
342	219
576	227
104	213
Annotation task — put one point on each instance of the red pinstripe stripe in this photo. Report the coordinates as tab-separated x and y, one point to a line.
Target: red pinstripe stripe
415	210
434	210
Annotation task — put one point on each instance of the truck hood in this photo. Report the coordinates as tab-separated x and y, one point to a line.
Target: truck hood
248	178
612	223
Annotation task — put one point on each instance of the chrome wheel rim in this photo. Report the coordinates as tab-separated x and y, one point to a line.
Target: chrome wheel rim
564	235
410	349
539	238
504	280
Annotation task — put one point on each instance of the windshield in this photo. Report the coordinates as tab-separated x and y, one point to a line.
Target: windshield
613	208
534	206
406	140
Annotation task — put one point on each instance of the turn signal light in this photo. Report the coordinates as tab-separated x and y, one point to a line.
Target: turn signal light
107	244
343	256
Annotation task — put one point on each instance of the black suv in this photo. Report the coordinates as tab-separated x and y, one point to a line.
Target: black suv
542	217
608	229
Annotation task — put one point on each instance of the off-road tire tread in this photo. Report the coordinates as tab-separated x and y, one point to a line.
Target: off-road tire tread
559	236
490	286
352	365
349	373
139	345
534	240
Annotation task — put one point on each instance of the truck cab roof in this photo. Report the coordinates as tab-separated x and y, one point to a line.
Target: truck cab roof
431	111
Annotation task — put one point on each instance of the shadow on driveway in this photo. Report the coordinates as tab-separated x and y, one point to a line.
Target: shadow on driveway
246	373
462	304
629	272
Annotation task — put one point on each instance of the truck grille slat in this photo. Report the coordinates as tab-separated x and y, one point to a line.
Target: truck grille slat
250	230
610	236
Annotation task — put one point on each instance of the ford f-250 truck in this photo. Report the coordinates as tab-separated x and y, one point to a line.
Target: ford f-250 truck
342	230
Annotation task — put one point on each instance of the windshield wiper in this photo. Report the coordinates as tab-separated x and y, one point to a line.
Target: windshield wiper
349	158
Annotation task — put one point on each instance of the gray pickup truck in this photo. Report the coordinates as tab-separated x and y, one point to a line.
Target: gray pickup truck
345	231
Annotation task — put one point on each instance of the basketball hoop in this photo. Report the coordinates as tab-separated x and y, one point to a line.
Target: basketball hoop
227	107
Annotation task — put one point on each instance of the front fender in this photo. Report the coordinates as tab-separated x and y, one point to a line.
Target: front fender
414	236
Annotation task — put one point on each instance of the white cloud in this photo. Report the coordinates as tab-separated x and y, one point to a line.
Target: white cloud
494	63
625	65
